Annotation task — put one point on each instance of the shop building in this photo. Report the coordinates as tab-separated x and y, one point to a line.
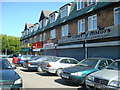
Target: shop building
80	30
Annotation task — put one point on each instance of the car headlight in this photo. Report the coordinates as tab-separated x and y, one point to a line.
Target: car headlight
90	77
76	74
18	81
115	83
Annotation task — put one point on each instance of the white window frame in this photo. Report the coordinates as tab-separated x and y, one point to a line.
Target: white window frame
40	37
44	22
65	11
81	26
52	18
53	34
90	2
79	4
30	40
40	24
92	22
64	30
116	12
44	36
35	39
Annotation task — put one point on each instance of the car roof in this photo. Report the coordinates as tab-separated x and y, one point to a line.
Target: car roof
3	59
66	57
100	58
117	60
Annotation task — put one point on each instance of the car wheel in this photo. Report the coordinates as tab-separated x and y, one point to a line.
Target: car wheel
58	71
39	69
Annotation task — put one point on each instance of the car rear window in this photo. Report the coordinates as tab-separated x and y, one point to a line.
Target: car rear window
4	64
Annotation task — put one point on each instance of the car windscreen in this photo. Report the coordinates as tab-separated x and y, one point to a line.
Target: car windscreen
88	62
115	66
4	64
36	58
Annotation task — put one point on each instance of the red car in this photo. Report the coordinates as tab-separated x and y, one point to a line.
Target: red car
15	59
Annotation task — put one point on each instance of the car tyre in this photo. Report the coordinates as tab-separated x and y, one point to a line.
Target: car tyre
39	69
58	71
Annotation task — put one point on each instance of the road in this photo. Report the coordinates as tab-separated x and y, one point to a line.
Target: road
33	79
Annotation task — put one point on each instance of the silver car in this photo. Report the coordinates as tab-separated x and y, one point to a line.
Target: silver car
56	65
106	79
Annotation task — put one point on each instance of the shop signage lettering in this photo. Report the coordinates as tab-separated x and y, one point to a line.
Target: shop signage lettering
91	35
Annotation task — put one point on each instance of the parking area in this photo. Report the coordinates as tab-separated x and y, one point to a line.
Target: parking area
34	79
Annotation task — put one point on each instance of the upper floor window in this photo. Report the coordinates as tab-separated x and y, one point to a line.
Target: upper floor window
117	16
64	30
52	34
31	29
81	25
35	39
40	24
91	2
40	37
30	40
53	17
44	22
64	11
80	4
35	27
92	22
44	36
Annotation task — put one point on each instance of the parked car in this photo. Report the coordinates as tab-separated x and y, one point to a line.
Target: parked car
79	72
57	64
9	78
106	79
35	62
24	57
26	62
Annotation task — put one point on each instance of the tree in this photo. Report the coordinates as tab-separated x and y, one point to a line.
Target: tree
9	44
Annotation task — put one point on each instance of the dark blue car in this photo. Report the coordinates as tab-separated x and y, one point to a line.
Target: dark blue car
8	77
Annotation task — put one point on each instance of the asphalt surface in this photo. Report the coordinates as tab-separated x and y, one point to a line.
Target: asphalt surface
34	79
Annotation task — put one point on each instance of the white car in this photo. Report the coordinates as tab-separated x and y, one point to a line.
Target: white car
106	79
57	64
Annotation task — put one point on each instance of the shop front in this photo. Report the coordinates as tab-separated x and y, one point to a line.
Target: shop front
36	48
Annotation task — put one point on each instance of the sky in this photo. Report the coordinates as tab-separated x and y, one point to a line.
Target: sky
14	15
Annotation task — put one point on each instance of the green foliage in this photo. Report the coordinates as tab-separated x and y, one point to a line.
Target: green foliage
10	44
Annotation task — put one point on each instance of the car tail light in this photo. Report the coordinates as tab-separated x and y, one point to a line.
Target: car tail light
28	63
49	66
20	60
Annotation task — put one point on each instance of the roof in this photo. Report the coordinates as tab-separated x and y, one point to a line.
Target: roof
46	13
73	14
27	26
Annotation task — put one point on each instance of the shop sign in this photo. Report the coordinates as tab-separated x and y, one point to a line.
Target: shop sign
37	45
48	45
91	35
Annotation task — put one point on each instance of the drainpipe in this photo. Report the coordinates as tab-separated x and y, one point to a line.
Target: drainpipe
85	50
